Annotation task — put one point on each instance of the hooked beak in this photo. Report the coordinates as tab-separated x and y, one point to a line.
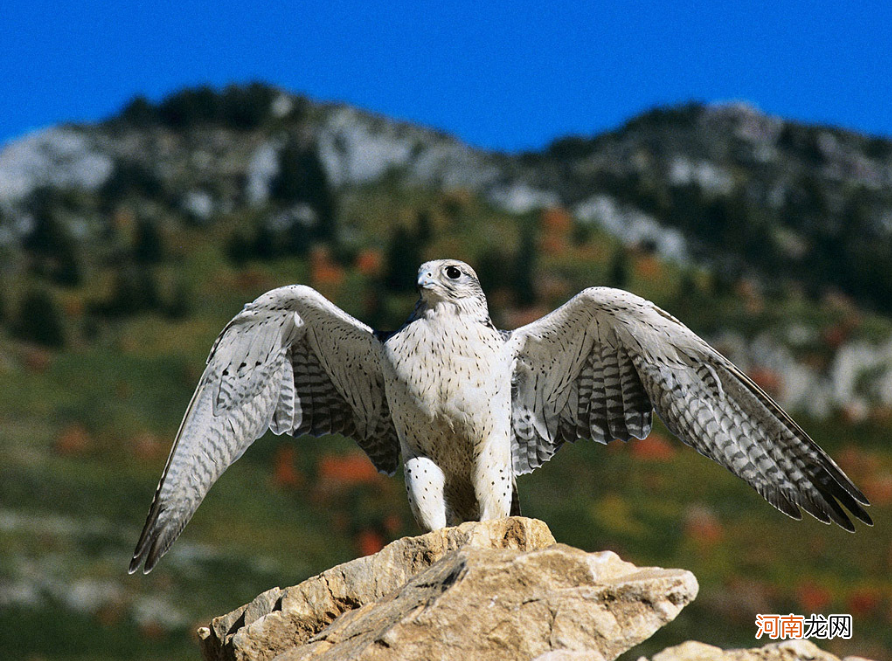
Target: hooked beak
425	280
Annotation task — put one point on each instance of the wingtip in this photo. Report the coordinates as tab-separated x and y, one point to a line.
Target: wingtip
847	525
135	562
146	557
862	516
860	497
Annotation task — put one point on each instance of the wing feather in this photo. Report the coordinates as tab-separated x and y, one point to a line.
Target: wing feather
269	369
634	358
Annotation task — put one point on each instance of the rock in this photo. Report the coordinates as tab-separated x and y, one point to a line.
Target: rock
492	590
788	650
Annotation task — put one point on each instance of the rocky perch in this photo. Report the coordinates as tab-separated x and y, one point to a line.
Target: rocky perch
495	590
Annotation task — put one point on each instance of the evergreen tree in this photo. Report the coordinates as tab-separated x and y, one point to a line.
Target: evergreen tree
67	269
266	243
402	260
40	320
140	113
302	178
492	271
424	227
135	290
148	246
246	107
179	306
525	266
52	247
619	269
48	234
240	247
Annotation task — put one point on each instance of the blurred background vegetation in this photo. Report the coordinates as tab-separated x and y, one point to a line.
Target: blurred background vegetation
132	243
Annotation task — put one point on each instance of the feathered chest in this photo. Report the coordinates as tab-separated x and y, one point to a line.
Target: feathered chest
444	366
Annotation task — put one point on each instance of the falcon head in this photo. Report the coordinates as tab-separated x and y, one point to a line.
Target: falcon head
451	281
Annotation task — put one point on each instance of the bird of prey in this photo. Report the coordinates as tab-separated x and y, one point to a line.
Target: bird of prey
468	407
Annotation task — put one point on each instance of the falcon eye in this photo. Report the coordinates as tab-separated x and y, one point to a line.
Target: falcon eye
453	273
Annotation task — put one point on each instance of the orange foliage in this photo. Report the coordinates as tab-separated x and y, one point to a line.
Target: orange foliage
72	306
702	526
556	225
147	447
835	336
878	488
37	360
152	630
769	380
520	317
858	463
813	598
615	446
863	601
348	469
285	474
556	221
655	447
73	440
747	290
393	524
369	542
369	262
323	271
251	280
110	615
553	245
123	220
648	267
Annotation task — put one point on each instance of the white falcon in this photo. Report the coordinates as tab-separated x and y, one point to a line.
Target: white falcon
470	407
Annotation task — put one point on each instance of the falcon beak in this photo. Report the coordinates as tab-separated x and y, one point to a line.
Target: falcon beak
426	280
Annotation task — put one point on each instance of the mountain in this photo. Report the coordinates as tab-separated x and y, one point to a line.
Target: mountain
748	191
754	201
722	185
125	247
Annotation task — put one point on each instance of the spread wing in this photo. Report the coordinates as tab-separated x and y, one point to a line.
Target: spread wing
292	362
596	368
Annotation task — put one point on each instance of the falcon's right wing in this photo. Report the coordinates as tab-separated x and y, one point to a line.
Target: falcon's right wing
292	362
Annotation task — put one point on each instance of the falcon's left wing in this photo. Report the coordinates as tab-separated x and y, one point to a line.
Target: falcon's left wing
596	368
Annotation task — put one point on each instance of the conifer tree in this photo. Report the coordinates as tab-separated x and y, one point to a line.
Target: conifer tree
525	267
618	275
302	178
39	319
402	260
148	246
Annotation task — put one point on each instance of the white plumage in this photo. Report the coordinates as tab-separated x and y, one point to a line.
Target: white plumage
469	407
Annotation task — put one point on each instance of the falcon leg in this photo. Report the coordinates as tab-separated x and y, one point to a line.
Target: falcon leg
424	483
494	482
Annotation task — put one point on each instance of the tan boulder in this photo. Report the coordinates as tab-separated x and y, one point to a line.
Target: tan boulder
493	590
788	650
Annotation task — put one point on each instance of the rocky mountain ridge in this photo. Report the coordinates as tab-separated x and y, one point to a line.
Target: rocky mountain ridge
670	178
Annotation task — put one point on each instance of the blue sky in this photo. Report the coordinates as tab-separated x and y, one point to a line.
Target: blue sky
505	75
